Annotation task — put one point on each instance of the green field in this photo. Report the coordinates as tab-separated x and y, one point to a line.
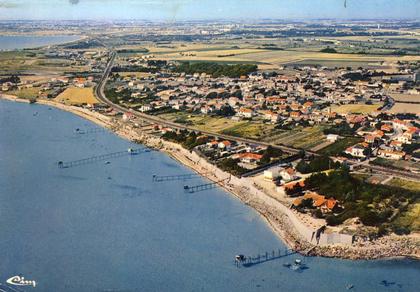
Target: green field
405	184
339	146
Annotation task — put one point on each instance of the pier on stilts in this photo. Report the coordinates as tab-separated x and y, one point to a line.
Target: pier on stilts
93	159
248	261
161	178
90	131
203	187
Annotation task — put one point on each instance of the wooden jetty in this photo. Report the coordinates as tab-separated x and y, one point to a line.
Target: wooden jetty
203	187
90	131
161	178
248	261
93	159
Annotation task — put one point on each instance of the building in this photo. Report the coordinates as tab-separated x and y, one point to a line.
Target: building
248	157
272	173
391	154
356	151
318	201
332	137
245	112
226	145
288	174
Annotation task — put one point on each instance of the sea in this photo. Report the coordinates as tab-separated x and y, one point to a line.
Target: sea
106	226
13	42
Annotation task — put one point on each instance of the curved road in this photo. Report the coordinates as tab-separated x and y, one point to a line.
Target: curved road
100	95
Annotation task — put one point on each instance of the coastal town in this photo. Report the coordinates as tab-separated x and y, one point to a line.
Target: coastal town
328	154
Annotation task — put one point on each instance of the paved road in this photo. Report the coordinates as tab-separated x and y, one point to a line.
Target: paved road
99	91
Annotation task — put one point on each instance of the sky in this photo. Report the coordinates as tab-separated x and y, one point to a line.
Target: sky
206	9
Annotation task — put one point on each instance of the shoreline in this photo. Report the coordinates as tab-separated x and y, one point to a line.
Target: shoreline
79	38
279	222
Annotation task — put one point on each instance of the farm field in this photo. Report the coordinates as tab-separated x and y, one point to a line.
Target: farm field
355	108
305	138
135	74
405	108
264	53
77	96
32	62
203	122
341	63
250	130
406	97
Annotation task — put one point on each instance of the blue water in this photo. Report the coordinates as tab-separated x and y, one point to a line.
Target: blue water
108	227
12	42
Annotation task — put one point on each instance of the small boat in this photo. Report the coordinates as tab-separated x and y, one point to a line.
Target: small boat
349	286
298	261
107	162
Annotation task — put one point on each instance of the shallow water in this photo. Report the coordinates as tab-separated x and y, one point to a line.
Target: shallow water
12	42
108	227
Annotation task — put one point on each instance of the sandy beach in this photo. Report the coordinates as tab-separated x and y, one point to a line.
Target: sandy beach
278	217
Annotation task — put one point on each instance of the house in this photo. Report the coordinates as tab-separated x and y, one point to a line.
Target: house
387	128
370	139
271	116
226	145
356	151
145	108
212	144
398	124
288	174
248	157
332	137
391	154
295	115
245	112
397	145
206	109
319	201
272	173
127	116
166	130
291	185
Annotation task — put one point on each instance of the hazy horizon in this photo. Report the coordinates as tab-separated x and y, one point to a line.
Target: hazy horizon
195	10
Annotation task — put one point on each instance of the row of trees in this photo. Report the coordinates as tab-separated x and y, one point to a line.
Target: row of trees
232	166
216	70
188	140
342	129
317	164
12	79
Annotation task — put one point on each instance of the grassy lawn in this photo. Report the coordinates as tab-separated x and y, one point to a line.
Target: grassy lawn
355	108
411	218
26	92
405	184
77	96
339	146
